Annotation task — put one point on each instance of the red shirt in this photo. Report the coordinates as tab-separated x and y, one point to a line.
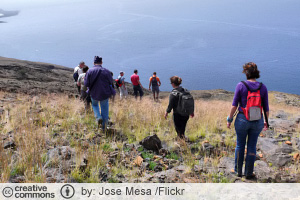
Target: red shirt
134	79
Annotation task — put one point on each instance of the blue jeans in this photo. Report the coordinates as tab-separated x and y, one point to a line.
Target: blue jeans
244	129
104	110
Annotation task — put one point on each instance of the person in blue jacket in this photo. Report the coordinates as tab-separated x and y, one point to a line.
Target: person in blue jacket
99	81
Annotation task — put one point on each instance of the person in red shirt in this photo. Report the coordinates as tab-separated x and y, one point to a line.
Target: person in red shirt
137	86
155	82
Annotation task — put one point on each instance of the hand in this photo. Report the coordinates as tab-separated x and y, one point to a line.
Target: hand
149	89
78	83
166	115
228	125
265	126
192	115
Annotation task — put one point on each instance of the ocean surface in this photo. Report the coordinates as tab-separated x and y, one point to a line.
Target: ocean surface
205	42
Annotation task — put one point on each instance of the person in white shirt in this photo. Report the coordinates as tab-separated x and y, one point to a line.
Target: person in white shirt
123	89
77	72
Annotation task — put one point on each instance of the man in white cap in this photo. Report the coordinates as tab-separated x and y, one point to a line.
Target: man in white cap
121	83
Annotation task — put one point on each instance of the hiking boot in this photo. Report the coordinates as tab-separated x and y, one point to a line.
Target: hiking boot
251	177
100	121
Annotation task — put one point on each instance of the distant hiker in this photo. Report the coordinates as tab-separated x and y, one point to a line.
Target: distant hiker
120	82
252	98
84	95
155	83
77	72
99	81
137	86
182	104
114	95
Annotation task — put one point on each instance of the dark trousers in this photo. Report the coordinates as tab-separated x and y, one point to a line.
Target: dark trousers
78	88
136	89
86	98
180	124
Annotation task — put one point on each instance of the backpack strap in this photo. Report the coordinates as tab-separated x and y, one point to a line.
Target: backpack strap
248	88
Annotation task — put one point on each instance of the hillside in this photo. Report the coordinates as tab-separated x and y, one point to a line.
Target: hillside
46	136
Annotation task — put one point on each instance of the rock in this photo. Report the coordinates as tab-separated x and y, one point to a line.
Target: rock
296	156
278	156
103	176
151	143
207	148
138	161
10	145
2	111
288	142
180	168
163	152
17	179
197	169
226	164
263	172
281	114
283	125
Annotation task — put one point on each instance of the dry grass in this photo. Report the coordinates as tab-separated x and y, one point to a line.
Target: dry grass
35	120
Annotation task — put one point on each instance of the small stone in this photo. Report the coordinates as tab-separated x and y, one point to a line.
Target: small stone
138	161
296	156
10	145
288	142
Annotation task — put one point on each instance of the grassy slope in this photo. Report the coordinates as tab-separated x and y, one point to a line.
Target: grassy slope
36	120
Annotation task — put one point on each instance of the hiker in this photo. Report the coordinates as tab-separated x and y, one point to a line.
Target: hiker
137	86
121	84
155	83
252	97
77	73
99	81
182	108
85	97
114	95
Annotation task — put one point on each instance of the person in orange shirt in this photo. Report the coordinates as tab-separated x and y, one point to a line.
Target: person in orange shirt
155	82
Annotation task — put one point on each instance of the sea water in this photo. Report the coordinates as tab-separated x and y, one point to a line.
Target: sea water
206	42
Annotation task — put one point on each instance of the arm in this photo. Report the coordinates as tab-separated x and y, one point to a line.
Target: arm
265	101
232	111
87	82
235	102
140	83
150	83
172	99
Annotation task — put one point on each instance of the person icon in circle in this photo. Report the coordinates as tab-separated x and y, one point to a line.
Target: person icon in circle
67	191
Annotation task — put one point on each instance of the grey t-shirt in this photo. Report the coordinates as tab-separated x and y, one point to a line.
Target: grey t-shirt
81	81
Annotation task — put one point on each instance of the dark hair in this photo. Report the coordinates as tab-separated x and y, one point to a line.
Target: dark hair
85	69
135	71
154	73
176	80
251	71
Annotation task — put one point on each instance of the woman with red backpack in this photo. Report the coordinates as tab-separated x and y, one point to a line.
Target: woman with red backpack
252	98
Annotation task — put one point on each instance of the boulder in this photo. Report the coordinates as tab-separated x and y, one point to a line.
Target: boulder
151	143
275	154
9	145
263	172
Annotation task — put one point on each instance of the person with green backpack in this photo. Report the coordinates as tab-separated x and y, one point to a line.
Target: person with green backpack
182	103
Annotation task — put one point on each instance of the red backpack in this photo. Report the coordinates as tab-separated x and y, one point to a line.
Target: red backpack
253	110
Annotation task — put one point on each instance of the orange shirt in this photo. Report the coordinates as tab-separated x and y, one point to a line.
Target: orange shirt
156	78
